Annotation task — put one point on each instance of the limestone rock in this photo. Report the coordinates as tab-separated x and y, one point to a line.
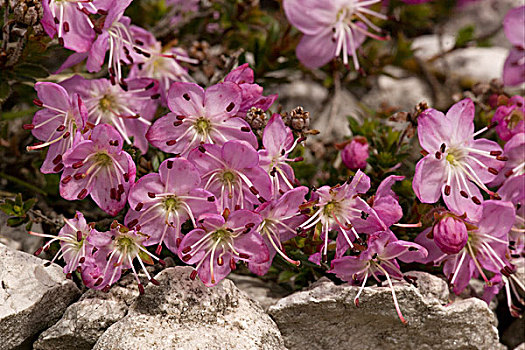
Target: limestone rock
17	237
85	321
185	314
325	317
266	293
32	297
477	64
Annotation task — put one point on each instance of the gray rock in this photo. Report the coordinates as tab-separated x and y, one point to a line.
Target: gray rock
32	297
266	293
325	317
477	64
17	237
185	314
514	334
431	286
402	90
427	46
85	321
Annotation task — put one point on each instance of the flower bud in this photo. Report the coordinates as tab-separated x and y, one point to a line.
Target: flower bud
355	153
450	235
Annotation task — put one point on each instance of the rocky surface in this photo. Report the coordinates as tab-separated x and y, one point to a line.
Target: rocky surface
325	317
185	314
32	297
85	321
17	237
266	293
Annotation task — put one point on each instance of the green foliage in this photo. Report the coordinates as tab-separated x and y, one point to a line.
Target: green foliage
17	210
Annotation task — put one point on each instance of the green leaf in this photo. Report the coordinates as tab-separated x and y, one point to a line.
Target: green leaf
7	208
285	276
13	222
31	70
28	204
464	35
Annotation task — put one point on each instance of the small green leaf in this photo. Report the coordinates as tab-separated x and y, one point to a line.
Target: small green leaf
28	204
31	70
13	222
464	35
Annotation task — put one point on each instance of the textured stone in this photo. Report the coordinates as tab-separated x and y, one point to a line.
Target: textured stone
477	64
266	293
32	297
325	317
17	237
85	321
185	314
399	90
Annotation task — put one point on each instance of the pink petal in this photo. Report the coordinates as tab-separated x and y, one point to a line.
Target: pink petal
53	95
459	204
186	99
239	155
179	176
429	178
513	25
315	51
311	16
485	145
240	75
149	183
232	129
433	130
277	136
514	68
222	100
461	121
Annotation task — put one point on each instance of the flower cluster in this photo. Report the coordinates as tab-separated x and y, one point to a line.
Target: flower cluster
224	190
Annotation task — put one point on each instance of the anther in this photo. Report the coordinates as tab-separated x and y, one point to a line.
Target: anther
254	190
496	153
79	176
245	129
79	236
186	250
58	168
438	155
154	281
463	194
66	179
139	206
233	266
61	41
151	195
66	27
169	164
82	194
186	96
28	126
493	171
502	158
155	97
141	289
210	199
202	149
220	261
78	164
230	107
186	258
476	200
38	102
171	142
442	148
447	190
57	159
177	123
113	193
193	275
66	135
133	223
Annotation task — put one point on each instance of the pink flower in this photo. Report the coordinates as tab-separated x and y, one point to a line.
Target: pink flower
450	234
486	248
162	64
232	173
74	246
513	190
116	251
200	116
515	155
379	259
509	118
217	244
331	28
98	166
340	208
130	111
161	203
385	201
355	153
514	67
70	21
252	94
278	142
58	125
281	217
455	164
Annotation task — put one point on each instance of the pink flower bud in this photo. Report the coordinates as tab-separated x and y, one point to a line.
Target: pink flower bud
450	235
355	153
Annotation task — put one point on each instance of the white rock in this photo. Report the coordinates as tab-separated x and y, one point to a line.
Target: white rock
479	64
185	314
85	321
325	317
32	297
427	46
